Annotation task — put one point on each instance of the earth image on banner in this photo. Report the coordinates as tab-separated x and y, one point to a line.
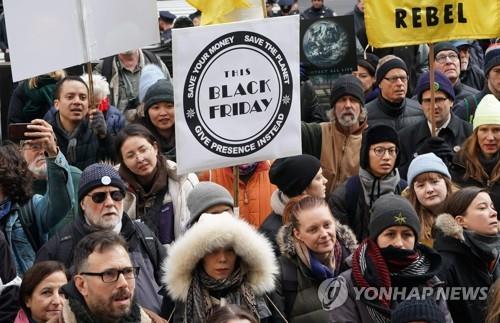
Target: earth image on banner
325	43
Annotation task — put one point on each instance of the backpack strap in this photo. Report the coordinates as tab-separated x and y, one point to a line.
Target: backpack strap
353	186
26	215
289	283
150	56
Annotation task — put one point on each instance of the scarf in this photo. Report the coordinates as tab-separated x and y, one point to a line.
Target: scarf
489	164
39	97
71	138
371	269
233	289
320	271
487	248
375	187
83	315
149	199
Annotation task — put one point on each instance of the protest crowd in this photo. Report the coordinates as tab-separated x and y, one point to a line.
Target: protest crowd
397	189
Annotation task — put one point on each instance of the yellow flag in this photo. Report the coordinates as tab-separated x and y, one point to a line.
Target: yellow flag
221	11
409	22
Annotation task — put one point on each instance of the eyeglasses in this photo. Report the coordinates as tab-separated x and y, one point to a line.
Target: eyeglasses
438	100
140	152
380	151
112	275
29	146
100	197
394	79
442	58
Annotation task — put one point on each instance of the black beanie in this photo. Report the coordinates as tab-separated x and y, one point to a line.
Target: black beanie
370	63
97	175
293	175
161	91
411	310
392	210
387	63
347	85
446	45
374	135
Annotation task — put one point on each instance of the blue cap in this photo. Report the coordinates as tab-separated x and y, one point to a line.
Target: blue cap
167	16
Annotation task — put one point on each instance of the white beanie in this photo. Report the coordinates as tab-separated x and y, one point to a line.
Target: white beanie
150	74
426	163
487	112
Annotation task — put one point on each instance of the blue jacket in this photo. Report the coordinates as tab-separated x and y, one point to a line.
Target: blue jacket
49	209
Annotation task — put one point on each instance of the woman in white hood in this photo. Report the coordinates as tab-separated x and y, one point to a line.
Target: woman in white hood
220	260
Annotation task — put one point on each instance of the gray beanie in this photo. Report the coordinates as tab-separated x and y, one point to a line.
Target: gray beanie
97	175
392	210
424	164
205	195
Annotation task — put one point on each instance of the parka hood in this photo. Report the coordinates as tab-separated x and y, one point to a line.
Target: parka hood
212	232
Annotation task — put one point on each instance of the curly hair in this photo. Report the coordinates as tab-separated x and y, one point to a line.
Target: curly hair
15	177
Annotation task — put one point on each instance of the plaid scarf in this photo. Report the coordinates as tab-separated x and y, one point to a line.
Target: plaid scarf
233	289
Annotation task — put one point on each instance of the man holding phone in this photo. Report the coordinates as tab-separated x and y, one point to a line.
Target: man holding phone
81	133
34	153
26	219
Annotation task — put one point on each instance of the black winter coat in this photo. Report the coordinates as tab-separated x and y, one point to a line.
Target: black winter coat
466	108
462	267
404	115
9	296
140	241
462	91
413	138
89	148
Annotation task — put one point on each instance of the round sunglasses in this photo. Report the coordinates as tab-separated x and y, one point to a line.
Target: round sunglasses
100	197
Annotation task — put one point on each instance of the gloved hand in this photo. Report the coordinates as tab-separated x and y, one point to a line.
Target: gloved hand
98	123
438	146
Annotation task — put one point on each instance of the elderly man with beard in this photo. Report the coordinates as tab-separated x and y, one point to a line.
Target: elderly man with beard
337	143
34	154
103	287
100	199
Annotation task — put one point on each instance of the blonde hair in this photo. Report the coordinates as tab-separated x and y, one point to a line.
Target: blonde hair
56	75
425	216
493	315
473	168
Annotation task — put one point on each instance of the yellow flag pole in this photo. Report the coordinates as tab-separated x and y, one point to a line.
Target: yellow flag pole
431	84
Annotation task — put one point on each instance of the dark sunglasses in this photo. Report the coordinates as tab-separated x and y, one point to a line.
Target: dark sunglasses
100	197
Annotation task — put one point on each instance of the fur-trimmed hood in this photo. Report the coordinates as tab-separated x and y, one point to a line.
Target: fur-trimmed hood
278	202
449	227
216	231
286	243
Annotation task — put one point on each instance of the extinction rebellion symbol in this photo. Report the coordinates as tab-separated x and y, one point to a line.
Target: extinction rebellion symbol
238	94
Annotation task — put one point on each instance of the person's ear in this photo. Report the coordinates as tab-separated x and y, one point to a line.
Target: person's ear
296	234
461	221
56	104
81	285
82	205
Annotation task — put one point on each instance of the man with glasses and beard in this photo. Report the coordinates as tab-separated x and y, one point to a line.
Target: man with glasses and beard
100	199
337	143
34	154
103	287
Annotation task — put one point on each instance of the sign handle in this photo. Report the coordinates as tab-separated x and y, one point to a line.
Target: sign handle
433	90
91	85
236	182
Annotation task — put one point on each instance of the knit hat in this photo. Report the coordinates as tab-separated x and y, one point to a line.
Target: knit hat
293	175
347	85
487	111
441	83
422	310
387	63
392	210
491	57
426	163
374	135
370	63
97	175
205	195
154	87
446	45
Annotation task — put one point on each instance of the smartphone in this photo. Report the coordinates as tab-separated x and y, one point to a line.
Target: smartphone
16	131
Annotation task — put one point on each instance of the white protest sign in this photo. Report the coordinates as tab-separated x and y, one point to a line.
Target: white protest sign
237	93
53	34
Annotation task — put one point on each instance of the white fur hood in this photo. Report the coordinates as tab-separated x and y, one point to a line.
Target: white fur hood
449	227
213	232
